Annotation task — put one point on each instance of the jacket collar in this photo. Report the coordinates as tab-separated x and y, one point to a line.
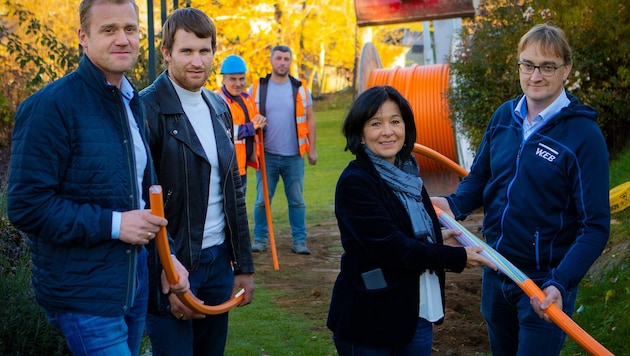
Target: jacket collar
165	92
93	77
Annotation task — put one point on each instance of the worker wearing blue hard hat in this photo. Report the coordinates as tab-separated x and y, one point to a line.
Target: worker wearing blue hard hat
245	114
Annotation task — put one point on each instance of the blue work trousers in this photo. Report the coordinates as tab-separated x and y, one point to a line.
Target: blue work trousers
291	169
514	328
212	282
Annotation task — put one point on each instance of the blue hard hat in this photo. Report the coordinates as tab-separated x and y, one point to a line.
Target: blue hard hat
233	64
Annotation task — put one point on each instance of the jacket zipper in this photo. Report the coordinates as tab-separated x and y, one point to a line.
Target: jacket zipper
537	248
233	238
187	207
132	262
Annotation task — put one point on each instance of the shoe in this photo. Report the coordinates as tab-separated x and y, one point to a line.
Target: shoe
300	249
259	247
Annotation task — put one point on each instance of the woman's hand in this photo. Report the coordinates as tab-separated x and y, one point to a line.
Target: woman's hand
473	253
448	236
474	258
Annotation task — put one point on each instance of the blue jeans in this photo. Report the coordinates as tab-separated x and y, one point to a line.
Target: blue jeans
108	336
420	345
212	282
291	168
513	326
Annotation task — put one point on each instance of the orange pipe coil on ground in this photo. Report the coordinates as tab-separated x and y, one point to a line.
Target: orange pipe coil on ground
425	87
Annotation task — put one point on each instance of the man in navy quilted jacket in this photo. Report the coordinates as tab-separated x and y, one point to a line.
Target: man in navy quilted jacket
78	187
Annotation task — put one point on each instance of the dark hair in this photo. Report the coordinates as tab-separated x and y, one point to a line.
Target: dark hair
86	5
365	106
281	48
190	20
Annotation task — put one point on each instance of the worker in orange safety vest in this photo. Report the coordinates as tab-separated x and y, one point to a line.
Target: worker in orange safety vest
245	114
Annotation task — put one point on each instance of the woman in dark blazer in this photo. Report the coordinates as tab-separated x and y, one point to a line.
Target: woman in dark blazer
390	289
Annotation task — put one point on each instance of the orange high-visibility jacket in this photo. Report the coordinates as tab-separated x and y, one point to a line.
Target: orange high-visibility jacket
240	118
300	93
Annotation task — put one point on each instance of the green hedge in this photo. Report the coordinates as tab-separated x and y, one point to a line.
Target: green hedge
24	329
484	68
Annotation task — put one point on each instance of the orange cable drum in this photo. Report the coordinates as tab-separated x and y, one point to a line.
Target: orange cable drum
425	87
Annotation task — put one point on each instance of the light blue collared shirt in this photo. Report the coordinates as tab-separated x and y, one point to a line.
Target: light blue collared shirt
541	119
140	153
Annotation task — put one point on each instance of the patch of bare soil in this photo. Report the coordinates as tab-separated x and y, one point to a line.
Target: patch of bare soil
306	284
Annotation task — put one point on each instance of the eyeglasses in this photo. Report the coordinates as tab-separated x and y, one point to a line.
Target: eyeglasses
546	70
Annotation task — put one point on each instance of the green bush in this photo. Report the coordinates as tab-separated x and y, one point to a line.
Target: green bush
24	329
484	68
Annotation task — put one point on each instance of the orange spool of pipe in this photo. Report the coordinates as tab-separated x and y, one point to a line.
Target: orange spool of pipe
425	87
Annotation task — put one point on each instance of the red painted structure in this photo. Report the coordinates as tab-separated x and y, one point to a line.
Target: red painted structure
383	12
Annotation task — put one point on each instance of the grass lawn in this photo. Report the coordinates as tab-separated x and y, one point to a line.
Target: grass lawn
264	327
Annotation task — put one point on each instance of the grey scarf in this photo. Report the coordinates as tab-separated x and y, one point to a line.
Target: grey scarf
403	179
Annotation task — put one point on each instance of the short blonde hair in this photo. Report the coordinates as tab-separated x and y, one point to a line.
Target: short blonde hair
86	5
551	39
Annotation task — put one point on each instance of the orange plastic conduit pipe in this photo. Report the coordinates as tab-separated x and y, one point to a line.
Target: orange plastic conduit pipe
263	174
164	251
440	158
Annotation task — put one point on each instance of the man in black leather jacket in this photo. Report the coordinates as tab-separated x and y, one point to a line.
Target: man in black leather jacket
191	143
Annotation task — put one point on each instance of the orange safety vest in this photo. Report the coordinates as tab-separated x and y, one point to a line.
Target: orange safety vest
238	118
300	93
